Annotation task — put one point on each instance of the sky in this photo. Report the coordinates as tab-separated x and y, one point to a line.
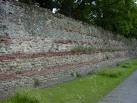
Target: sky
136	1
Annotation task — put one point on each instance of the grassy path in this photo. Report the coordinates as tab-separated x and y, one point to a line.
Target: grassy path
126	92
88	89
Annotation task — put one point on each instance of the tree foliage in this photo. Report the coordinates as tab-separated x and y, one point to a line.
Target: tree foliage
116	15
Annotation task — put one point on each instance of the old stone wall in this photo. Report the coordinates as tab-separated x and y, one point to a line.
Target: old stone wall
39	49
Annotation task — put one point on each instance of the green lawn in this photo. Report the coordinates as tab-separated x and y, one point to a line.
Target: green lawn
88	89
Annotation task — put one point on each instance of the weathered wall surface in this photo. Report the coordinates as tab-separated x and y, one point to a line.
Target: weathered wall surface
36	48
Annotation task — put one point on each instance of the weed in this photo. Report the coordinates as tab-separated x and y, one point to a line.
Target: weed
18	72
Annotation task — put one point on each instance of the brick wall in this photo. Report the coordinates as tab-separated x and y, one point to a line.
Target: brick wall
36	45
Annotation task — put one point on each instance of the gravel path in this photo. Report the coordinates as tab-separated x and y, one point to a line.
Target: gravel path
125	92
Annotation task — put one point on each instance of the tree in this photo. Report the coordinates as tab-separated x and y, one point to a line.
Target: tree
116	15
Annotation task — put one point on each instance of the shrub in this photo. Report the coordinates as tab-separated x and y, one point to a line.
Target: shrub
126	65
111	73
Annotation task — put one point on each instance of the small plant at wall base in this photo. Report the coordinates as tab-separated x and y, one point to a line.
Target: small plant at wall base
91	72
76	74
72	74
36	82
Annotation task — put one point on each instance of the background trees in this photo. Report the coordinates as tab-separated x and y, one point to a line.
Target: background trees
119	16
116	15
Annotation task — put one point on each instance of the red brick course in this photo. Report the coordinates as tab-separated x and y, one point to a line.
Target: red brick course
43	54
12	75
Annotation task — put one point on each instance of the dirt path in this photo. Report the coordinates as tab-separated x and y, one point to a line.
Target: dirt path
126	92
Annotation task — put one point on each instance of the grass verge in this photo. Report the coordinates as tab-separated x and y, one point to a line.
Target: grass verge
83	49
89	89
